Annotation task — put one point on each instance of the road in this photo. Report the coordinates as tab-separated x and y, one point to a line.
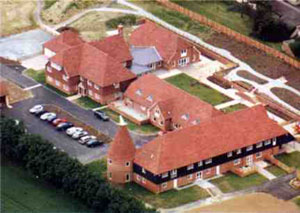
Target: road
43	95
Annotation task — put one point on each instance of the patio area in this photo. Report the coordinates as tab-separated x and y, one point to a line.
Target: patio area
128	112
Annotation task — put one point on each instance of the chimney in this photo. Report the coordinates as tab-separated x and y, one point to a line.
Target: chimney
120	29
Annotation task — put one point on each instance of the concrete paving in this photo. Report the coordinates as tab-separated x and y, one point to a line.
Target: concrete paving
36	62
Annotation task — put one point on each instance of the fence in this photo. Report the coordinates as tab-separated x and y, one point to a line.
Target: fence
239	37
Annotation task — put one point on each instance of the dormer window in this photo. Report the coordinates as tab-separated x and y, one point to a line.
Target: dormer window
190	167
249	148
267	142
56	66
183	53
143	170
200	163
150	98
173	173
65	77
116	85
185	117
195	122
164	175
238	151
229	154
208	161
274	140
139	92
259	145
89	83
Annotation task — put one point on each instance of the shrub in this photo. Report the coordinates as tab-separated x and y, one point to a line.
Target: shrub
44	160
127	20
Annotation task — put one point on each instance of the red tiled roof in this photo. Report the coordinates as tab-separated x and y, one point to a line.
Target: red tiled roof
172	101
115	46
166	42
64	41
217	136
122	147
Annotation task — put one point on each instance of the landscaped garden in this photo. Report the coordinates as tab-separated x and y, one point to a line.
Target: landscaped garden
290	159
290	97
23	192
275	170
169	199
197	89
87	103
233	108
251	77
144	129
231	182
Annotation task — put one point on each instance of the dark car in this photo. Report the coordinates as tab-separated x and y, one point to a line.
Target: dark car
101	115
39	113
94	143
64	126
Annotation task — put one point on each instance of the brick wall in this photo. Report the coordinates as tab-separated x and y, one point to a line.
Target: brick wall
117	171
229	32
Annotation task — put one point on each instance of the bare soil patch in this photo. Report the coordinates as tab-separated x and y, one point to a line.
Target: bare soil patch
64	114
251	77
16	93
256	202
287	96
16	16
257	59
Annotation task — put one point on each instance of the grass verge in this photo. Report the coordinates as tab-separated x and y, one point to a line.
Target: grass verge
87	103
169	199
197	89
290	159
231	182
233	108
144	129
22	192
276	171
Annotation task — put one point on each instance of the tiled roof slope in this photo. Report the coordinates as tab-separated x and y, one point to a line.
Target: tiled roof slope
115	46
64	41
217	136
122	147
166	42
172	101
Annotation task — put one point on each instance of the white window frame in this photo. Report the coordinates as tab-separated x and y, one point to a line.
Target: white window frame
56	66
150	98
143	108
143	170
65	77
249	148
259	145
57	83
89	83
183	52
90	92
164	175
274	141
81	78
109	161
116	85
237	161
96	87
267	142
238	151
200	163
49	69
258	155
127	164
66	87
129	177
190	167
173	173
190	176
138	92
229	154
97	96
208	161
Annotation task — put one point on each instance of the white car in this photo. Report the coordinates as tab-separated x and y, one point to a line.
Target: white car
78	135
36	108
73	130
47	115
85	139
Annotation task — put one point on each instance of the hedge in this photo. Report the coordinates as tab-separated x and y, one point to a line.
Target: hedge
41	158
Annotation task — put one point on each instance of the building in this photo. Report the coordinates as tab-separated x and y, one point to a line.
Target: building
174	50
97	69
205	150
163	105
4	94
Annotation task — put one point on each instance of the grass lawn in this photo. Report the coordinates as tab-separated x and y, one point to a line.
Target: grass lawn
145	129
297	201
39	76
291	159
195	88
275	170
22	192
167	199
233	108
87	103
98	167
231	182
176	19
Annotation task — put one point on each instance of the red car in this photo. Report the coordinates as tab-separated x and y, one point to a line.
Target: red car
58	121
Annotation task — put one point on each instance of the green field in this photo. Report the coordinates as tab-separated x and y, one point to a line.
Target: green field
290	159
169	199
22	192
233	108
231	182
197	89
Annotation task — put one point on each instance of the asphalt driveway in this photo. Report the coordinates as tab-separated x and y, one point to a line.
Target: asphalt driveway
43	95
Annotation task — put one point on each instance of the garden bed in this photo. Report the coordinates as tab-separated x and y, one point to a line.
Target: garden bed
197	89
251	77
287	96
64	114
278	113
219	82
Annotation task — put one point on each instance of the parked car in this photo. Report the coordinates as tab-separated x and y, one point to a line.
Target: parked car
41	112
51	117
45	116
93	143
36	108
73	130
57	121
101	115
78	135
85	139
64	126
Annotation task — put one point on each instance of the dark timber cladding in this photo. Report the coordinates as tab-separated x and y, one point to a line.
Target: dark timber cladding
217	160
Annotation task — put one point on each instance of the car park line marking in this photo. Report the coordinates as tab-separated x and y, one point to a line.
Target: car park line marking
98	108
32	87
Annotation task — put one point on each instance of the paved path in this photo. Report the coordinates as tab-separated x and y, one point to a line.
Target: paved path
264	172
43	95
